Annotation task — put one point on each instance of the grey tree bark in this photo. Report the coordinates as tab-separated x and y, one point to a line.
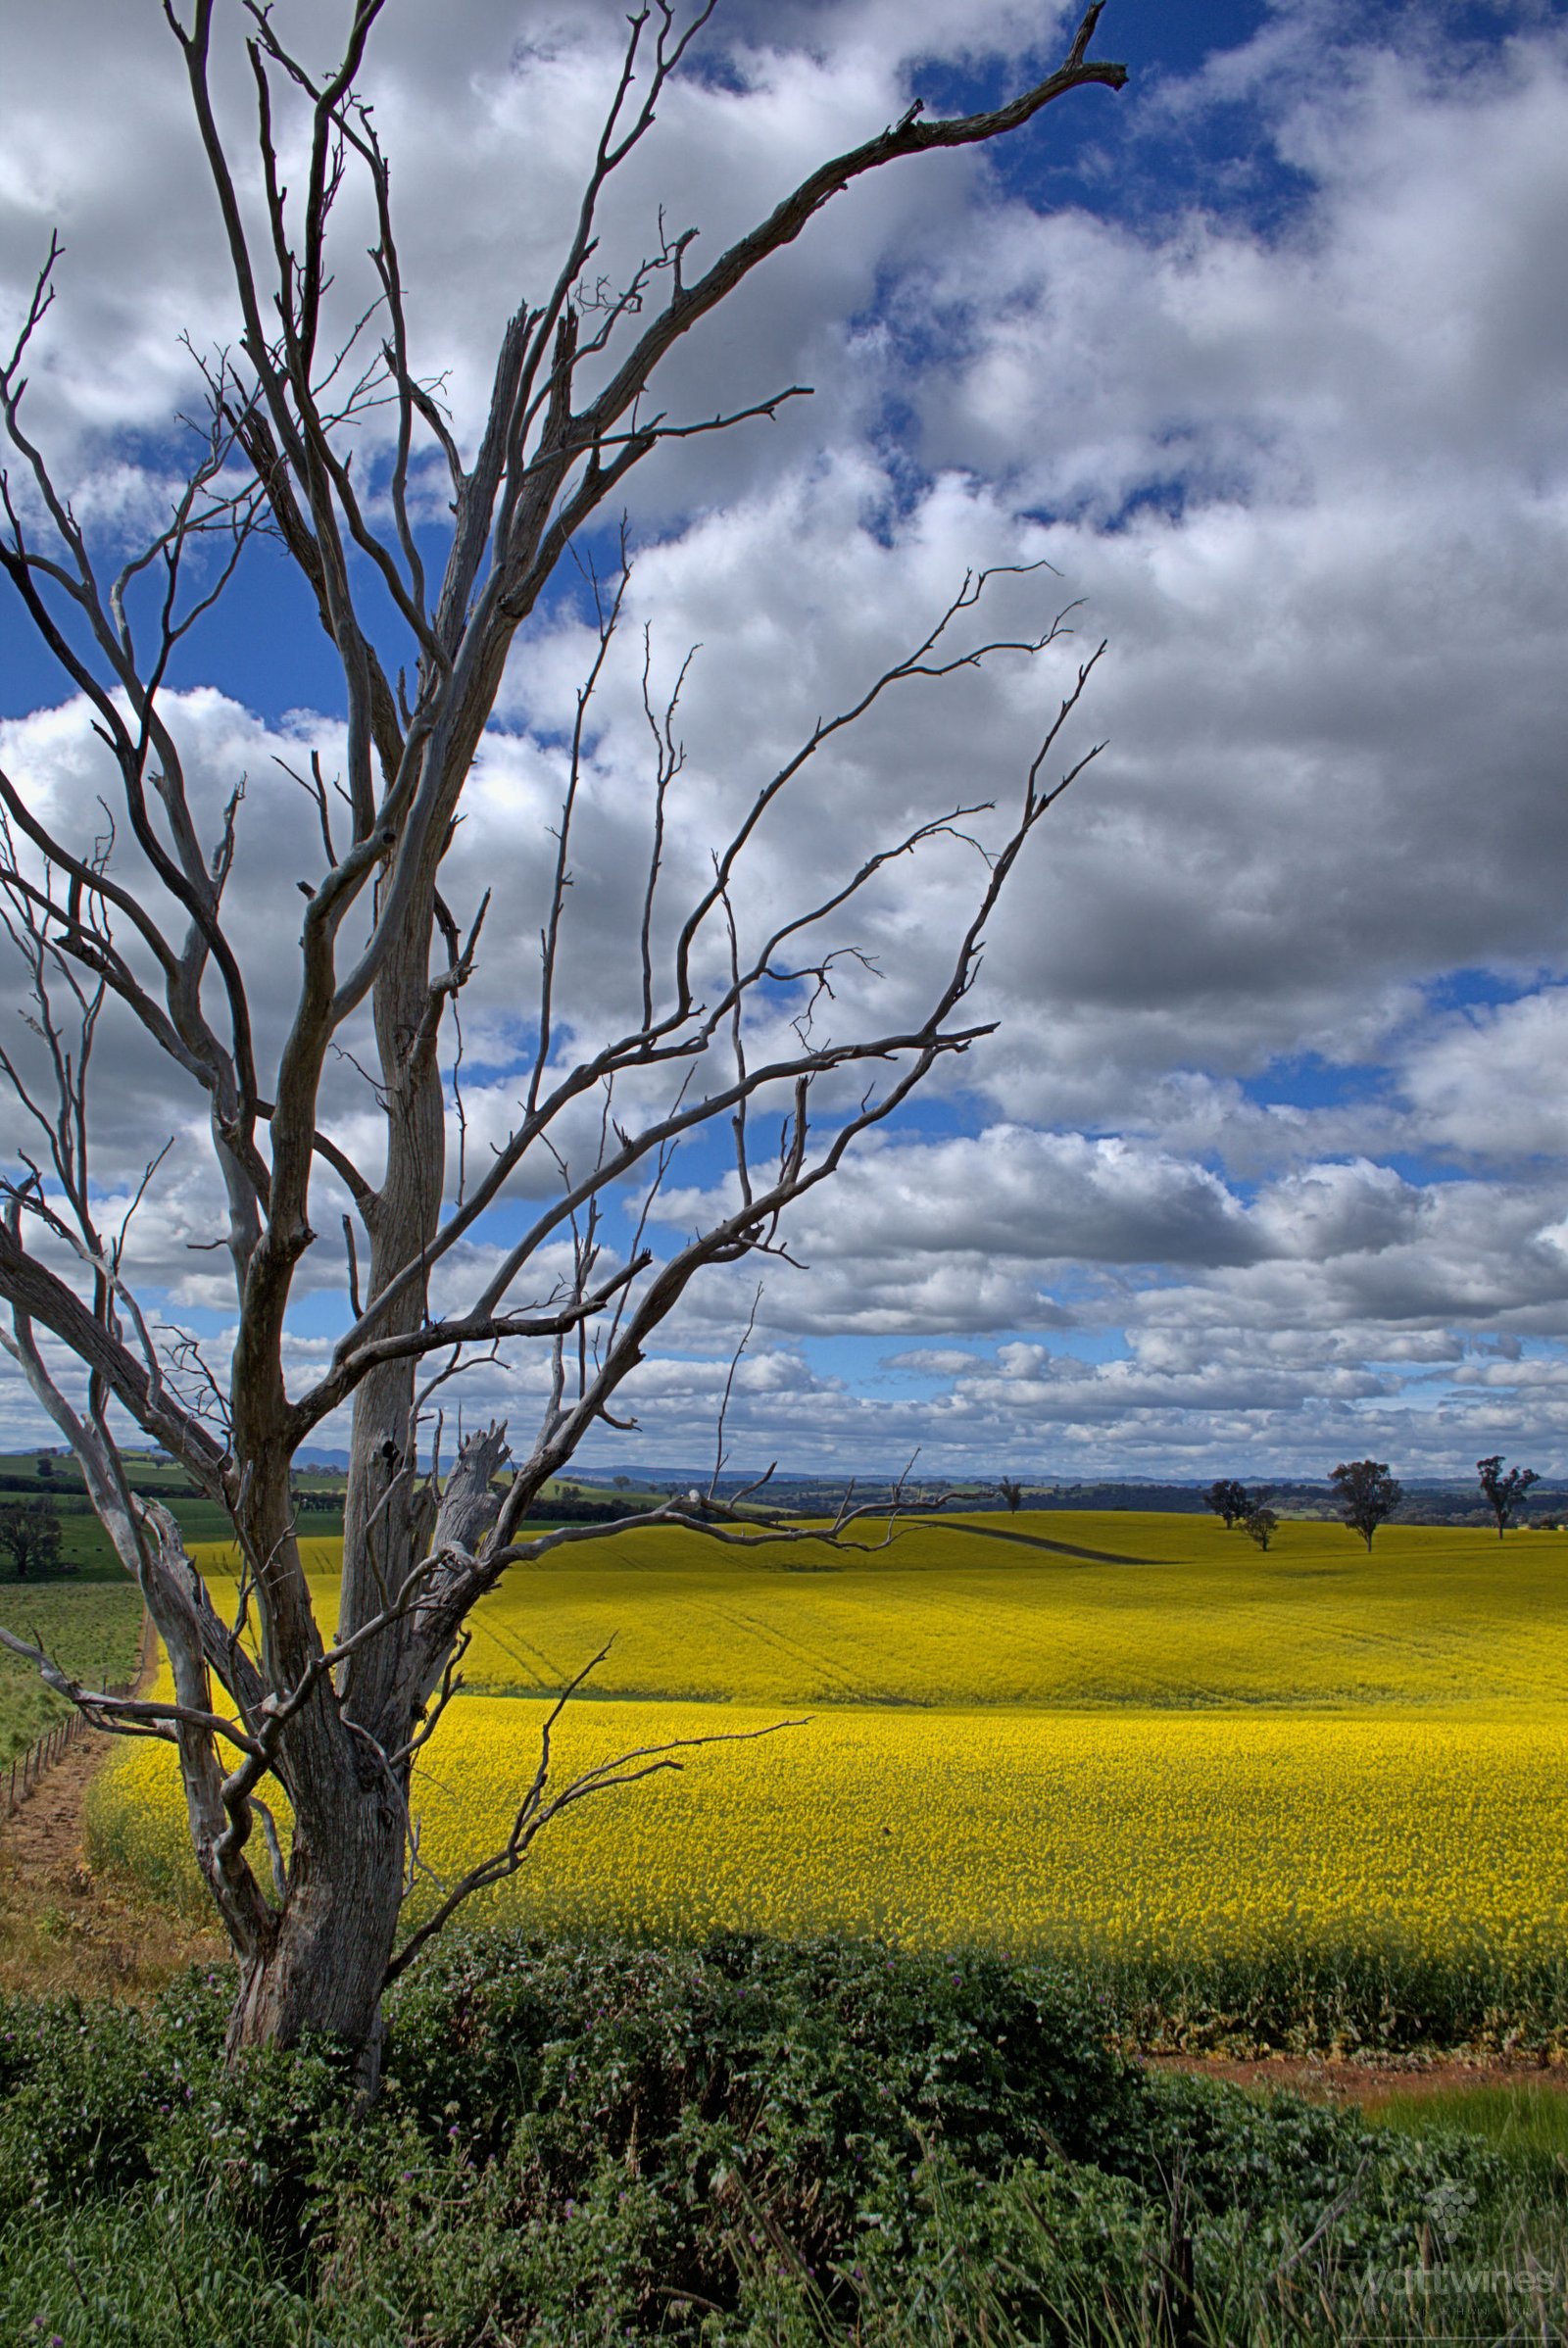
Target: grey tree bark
336	1716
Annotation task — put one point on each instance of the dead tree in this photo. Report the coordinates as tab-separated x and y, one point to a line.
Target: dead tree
321	436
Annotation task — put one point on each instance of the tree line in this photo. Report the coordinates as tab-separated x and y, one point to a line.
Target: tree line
1366	1496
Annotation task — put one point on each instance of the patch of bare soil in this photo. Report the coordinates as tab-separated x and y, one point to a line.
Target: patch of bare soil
64	1929
1370	2083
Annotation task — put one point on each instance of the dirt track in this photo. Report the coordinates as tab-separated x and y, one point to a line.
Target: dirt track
60	1926
40	1844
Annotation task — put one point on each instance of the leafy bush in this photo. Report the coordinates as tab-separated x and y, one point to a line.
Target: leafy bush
755	2142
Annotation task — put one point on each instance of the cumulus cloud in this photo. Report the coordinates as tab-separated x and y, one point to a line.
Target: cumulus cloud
1014	1192
1306	466
1482	1083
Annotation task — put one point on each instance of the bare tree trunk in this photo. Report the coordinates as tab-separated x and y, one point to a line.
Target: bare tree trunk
325	1965
380	1518
319	446
322	1971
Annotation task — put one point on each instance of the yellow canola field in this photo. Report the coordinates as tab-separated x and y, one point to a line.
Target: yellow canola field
1142	1831
1192	1746
1184	1615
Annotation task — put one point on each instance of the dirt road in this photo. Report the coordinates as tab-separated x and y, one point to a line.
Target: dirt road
63	1928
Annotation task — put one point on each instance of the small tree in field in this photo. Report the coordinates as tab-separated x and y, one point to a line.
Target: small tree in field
29	1536
1504	1494
1228	1500
1012	1492
422	560
1259	1523
1367	1495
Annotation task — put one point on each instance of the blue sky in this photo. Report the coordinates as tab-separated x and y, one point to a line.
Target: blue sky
1263	1167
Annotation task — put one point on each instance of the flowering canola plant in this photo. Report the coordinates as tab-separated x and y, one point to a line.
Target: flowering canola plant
1204	1751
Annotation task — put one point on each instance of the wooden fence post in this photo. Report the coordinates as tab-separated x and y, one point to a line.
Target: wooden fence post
52	1746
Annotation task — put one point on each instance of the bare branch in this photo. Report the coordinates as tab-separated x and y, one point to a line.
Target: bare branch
313	429
538	1807
435	1336
720	1454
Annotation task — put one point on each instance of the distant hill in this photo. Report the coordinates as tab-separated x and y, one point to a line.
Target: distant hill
602	1491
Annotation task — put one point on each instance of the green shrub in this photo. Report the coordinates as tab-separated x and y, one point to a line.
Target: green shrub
752	2144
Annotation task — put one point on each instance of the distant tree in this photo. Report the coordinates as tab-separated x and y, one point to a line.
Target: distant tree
623	1484
1504	1494
1011	1492
1228	1500
46	1468
1367	1494
29	1536
1259	1524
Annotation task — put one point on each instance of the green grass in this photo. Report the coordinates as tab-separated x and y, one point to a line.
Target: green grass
91	1627
1362	1998
86	1551
1524	2123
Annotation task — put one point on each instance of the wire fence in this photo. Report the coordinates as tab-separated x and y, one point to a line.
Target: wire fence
41	1755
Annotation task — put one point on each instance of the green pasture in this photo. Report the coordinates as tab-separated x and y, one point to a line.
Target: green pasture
93	1629
1525	2121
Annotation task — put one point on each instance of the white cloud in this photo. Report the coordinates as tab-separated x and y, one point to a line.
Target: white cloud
1312	480
1485	1083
